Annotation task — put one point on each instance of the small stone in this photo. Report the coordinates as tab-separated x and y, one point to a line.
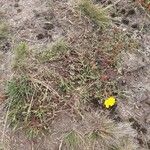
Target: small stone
125	21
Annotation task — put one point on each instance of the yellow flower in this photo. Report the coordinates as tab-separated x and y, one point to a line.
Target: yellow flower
109	102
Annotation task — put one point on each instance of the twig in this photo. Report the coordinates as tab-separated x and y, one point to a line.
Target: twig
60	146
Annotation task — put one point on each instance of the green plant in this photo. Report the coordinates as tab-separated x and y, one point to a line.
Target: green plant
20	56
96	13
17	90
56	50
24	106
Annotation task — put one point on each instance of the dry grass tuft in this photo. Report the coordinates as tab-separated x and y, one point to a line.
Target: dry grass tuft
96	13
105	134
20	56
73	140
98	131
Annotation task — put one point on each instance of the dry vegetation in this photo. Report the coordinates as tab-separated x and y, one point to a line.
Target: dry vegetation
61	78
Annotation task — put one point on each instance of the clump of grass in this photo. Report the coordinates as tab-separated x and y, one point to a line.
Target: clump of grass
27	106
56	50
107	134
73	141
101	132
17	91
85	74
20	56
103	135
3	30
96	13
33	104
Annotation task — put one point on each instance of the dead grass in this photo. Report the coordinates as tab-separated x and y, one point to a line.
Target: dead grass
107	134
